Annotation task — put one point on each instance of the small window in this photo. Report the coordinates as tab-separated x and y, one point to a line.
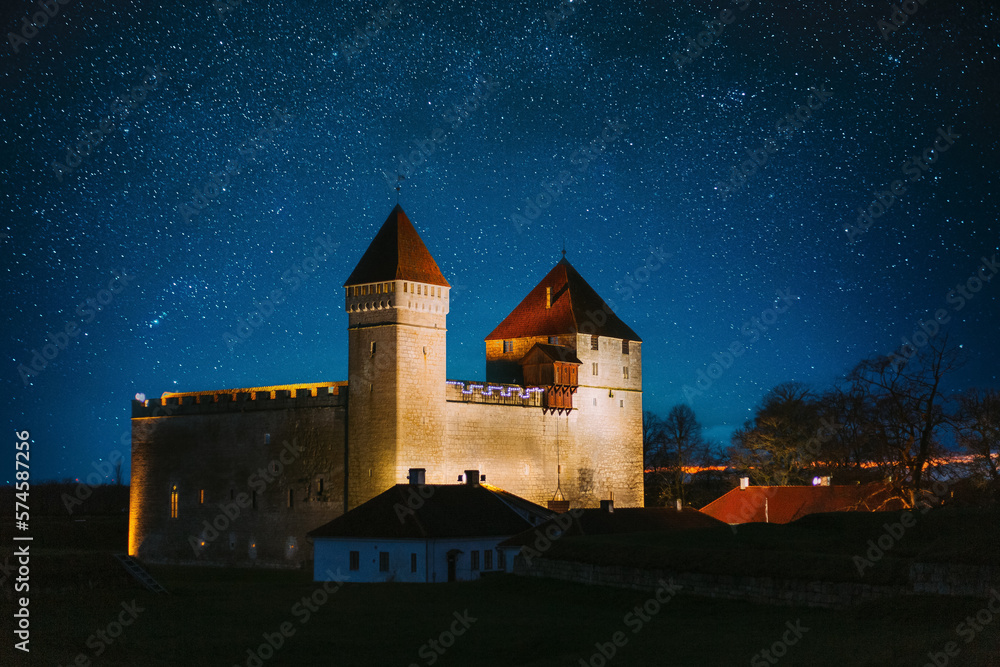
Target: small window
621	403
383	561
173	503
372	348
487	559
624	347
625	372
406	287
355	559
595	342
413	562
291	498
501	560
475	560
253	500
319	487
419	290
232	494
201	497
267	438
595	401
593	368
553	340
508	346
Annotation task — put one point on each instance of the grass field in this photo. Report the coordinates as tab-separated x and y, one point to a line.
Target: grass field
213	616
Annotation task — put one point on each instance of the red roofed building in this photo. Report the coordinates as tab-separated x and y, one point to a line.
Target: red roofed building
558	418
784	504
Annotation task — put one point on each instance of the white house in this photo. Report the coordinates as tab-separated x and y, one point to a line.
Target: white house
424	533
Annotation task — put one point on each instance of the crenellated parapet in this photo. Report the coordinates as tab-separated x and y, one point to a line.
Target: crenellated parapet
278	397
460	391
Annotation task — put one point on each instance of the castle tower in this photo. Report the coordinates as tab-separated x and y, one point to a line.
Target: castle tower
397	305
564	322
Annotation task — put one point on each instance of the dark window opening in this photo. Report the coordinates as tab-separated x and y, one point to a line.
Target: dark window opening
595	342
413	562
355	560
383	561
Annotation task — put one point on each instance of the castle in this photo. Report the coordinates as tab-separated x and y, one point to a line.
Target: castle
241	475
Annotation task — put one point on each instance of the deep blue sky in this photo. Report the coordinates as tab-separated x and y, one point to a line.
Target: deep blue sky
556	83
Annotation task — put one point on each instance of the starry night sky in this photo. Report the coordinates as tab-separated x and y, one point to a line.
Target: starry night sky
304	119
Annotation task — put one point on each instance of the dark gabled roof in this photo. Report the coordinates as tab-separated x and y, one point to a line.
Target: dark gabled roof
449	510
784	504
621	520
397	253
572	301
554	353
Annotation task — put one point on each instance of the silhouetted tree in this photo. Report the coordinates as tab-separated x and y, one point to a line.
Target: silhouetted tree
771	447
976	426
906	410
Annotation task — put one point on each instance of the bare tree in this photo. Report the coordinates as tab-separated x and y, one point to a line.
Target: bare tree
672	446
906	410
976	427
684	447
771	446
119	465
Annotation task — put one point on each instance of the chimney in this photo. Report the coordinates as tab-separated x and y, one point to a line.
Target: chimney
608	506
416	476
744	482
548	298
472	477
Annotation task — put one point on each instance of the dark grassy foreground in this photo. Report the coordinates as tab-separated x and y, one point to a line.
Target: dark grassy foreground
214	615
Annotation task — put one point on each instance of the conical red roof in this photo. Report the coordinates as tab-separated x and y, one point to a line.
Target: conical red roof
397	253
574	305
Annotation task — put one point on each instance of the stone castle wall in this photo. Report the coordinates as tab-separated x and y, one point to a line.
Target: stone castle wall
233	458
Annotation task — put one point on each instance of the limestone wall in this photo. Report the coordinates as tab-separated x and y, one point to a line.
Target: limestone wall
232	465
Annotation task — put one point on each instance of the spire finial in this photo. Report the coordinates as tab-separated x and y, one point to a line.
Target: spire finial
564	249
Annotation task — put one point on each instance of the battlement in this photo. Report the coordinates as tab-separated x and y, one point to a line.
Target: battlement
275	397
460	391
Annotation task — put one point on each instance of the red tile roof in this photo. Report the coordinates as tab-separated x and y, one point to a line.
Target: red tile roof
397	253
783	504
576	308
